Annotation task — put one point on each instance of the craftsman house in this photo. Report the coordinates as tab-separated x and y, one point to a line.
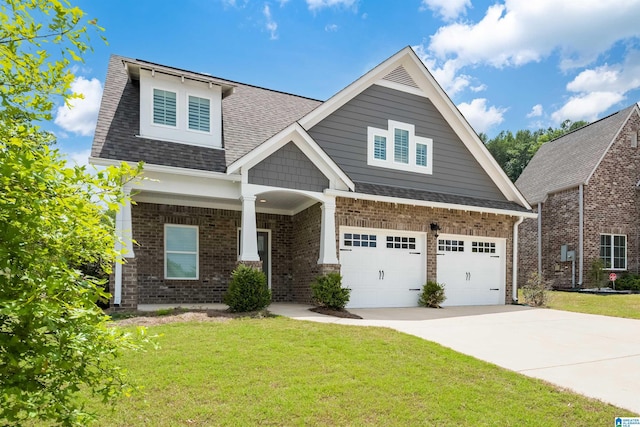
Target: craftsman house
584	186
385	182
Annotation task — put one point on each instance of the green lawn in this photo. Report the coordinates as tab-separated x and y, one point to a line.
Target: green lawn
277	371
608	305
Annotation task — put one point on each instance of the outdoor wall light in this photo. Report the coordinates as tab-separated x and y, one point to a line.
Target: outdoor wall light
435	228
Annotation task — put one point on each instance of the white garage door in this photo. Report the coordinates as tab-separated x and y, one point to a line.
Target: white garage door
472	270
383	268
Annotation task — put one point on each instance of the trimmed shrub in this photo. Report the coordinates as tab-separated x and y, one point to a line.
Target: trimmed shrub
248	290
628	282
432	295
327	291
536	291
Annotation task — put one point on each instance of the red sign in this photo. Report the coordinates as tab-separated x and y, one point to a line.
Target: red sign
612	277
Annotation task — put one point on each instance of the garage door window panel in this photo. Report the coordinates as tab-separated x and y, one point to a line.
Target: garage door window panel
401	242
360	240
451	245
483	247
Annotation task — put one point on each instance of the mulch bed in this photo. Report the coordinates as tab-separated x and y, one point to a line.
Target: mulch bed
335	313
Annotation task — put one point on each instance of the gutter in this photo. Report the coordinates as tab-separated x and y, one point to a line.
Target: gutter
514	268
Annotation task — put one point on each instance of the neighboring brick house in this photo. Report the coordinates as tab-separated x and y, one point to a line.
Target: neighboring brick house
584	185
385	182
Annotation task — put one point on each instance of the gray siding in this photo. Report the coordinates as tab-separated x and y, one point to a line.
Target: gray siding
343	135
288	168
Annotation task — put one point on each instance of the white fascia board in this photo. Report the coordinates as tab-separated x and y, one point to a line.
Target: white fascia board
98	161
355	88
299	136
429	204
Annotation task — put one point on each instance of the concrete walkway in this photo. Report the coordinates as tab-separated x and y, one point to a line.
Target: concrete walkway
597	356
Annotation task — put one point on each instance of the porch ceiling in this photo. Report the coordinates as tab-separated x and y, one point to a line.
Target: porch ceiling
281	202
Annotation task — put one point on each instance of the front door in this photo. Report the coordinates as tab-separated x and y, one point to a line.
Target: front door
264	251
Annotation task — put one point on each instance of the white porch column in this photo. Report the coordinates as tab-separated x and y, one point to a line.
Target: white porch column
328	232
124	242
249	246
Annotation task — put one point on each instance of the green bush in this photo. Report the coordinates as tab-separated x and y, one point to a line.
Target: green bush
536	291
248	290
432	295
327	291
628	282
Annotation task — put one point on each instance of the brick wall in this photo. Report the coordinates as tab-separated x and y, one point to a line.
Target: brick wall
305	251
218	241
611	206
391	216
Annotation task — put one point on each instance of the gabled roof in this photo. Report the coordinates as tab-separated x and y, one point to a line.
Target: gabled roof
570	160
416	75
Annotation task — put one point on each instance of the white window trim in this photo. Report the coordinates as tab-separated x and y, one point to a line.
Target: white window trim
626	260
166	276
160	125
210	114
390	162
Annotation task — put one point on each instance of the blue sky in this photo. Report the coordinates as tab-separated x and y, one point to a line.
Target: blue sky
507	65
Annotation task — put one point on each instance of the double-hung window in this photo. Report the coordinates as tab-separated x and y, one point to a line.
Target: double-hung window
613	251
398	147
164	107
199	113
180	251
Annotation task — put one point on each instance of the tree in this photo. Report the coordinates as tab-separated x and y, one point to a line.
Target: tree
54	340
513	152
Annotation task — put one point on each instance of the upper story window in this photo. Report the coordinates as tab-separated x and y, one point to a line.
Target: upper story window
409	152
180	110
613	251
164	107
199	113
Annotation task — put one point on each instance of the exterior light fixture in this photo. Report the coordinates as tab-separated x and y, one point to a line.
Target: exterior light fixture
435	228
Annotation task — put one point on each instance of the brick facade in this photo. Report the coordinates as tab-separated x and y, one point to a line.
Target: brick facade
611	206
295	246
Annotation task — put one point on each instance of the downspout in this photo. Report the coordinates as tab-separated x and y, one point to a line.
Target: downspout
540	239
514	268
580	234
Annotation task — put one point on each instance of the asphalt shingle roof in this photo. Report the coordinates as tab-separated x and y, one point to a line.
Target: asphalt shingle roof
249	117
428	196
569	160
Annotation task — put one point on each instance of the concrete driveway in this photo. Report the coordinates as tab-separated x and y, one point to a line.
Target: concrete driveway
597	356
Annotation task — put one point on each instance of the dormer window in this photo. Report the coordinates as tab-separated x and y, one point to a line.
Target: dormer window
408	151
199	113
164	107
181	110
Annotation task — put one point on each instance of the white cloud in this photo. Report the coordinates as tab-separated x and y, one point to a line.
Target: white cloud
517	32
80	158
479	116
331	28
80	116
271	25
448	9
445	75
283	2
586	106
597	89
536	111
320	4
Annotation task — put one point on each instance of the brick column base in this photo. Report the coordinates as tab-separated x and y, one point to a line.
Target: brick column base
253	264
328	268
129	297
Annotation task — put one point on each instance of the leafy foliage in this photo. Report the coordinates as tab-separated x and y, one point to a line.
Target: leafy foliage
596	272
327	291
248	290
54	340
628	282
536	291
432	295
513	152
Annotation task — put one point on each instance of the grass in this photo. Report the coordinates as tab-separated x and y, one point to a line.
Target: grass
608	305
277	371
